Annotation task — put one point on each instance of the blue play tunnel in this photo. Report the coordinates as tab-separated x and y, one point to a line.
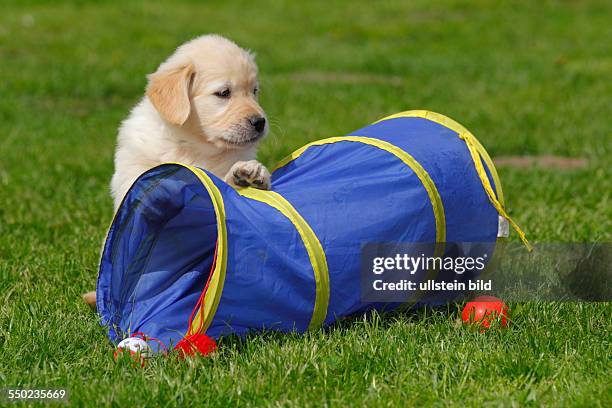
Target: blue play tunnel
187	253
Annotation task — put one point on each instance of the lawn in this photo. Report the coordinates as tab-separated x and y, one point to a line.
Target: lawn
527	78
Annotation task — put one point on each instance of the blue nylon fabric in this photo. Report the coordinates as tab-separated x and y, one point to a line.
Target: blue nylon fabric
269	281
156	259
446	159
160	247
368	195
470	217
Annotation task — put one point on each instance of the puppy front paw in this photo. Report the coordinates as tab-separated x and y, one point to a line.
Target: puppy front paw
249	173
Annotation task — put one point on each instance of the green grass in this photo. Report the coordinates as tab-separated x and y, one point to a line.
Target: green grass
525	78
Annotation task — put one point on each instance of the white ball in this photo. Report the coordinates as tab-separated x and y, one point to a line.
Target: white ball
137	345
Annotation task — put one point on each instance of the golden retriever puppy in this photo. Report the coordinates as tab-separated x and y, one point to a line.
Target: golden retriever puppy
200	109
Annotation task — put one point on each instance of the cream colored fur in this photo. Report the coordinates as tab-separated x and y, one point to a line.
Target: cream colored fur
182	118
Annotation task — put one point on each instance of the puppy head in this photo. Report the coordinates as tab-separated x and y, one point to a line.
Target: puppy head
209	87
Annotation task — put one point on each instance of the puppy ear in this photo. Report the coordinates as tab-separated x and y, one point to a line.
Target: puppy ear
168	90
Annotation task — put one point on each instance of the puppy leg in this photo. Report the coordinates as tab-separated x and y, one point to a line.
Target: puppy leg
249	173
90	298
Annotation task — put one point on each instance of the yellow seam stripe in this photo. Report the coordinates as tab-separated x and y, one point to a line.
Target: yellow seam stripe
311	243
217	280
459	129
477	151
489	190
432	191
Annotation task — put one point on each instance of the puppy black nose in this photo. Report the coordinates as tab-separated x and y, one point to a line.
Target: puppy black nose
258	122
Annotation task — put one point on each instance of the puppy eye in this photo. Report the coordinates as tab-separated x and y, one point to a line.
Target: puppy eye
224	93
255	91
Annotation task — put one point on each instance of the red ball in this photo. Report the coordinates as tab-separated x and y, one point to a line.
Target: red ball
196	343
485	309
